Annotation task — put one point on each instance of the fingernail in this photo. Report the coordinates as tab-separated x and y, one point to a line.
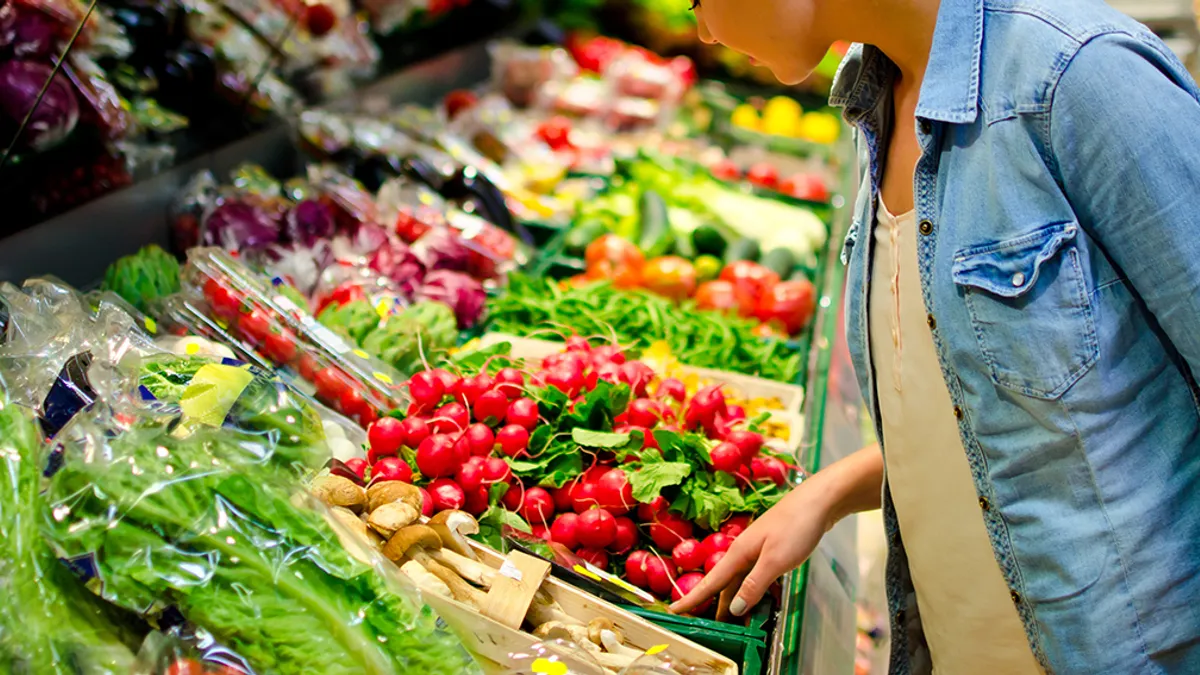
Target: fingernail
737	607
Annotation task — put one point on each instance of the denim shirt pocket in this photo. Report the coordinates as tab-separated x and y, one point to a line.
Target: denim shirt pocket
1030	309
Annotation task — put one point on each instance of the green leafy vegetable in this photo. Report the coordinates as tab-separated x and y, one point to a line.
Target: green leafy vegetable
425	329
652	477
599	439
145	276
493	521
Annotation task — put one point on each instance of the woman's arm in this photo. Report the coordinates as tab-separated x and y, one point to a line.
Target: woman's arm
1125	135
785	536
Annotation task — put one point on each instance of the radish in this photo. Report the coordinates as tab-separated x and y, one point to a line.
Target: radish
496	470
668	530
477	501
769	468
447	495
735	413
386	436
688	555
660	575
523	412
638	376
716	543
704	409
609	372
562	499
510	382
713	560
671	388
450	382
358	465
416	430
435	456
596	528
746	441
583	496
462	448
726	457
596	557
480	439
491	407
474	387
645	413
513	440
452	417
514	499
426	503
594	473
564	530
607	354
373	456
541	532
391	468
743	476
735	525
470	475
538	506
635	568
648	513
614	492
566	379
426	389
625	538
684	585
576	343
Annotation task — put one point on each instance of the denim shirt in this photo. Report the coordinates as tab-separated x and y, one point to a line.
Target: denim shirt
1058	202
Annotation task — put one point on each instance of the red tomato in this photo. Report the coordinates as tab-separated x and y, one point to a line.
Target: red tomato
555	132
805	186
764	175
331	384
670	276
185	667
789	303
611	257
309	366
254	326
458	101
751	282
224	302
718	295
281	347
319	18
726	169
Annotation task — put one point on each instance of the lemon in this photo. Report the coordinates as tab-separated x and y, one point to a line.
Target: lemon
782	105
819	127
780	123
745	116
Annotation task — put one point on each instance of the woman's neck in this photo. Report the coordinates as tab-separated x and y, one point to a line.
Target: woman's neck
901	29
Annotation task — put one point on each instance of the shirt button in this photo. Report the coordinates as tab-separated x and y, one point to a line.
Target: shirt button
984	503
958	413
1016	597
926	227
1018	279
931	321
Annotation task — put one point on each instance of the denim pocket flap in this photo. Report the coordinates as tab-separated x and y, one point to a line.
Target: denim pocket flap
850	242
1010	268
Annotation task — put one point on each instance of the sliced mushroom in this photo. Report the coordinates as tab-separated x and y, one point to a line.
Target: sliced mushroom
339	491
392	491
415	541
454	527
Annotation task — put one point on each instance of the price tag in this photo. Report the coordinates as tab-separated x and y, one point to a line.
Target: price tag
151	326
510	570
657	649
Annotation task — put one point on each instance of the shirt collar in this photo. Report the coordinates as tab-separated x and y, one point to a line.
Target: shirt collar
950	91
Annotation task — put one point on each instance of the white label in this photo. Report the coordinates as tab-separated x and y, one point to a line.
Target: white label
510	570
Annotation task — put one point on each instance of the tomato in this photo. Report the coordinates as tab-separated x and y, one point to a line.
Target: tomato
805	186
347	292
614	258
670	276
185	667
764	175
718	295
331	384
308	367
225	304
458	101
577	281
726	169
254	326
789	303
751	282
281	347
555	132
319	19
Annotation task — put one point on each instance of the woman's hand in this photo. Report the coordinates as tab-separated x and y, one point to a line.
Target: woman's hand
786	535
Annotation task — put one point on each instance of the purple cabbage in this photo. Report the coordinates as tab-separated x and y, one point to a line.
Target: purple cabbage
35	35
443	249
396	261
236	225
57	114
308	222
8	23
462	293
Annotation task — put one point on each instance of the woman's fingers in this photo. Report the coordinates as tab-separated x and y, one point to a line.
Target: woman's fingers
737	559
765	572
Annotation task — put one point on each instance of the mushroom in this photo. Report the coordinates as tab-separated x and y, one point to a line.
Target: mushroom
339	491
454	527
577	634
545	608
598	624
424	579
392	491
415	542
475	572
393	505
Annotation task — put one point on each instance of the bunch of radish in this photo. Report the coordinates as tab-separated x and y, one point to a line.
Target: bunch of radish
463	433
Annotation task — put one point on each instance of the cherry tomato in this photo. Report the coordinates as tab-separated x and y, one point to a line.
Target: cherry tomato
254	326
319	18
281	347
751	282
225	304
805	186
555	132
764	175
726	169
670	276
614	258
790	303
716	295
331	383
309	367
458	101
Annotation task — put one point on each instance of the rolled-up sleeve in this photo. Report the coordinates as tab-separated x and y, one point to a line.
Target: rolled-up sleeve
1125	137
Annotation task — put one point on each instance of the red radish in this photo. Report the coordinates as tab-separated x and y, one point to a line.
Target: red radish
596	528
644	412
523	412
705	407
391	468
769	468
748	442
607	354
713	560
688	555
671	388
496	470
477	501
648	513
742	474
513	440
447	495
510	381
426	389
562	499
514	499
660	575
596	557
726	457
609	372
450	381
435	456
452	417
480	439
668	530
716	543
684	585
426	503
576	343
358	465
736	413
474	387
735	526
373	456
583	496
470	475
626	536
595	473
416	430
635	568
638	376
564	530
538	506
491	407
566	380
541	532
614	492
462	448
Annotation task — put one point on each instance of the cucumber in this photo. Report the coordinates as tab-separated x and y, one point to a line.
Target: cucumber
585	232
656	238
742	249
780	261
710	240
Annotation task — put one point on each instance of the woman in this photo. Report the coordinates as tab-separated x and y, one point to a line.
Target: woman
1023	306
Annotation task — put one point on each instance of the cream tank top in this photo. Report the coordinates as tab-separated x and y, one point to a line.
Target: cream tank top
970	622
